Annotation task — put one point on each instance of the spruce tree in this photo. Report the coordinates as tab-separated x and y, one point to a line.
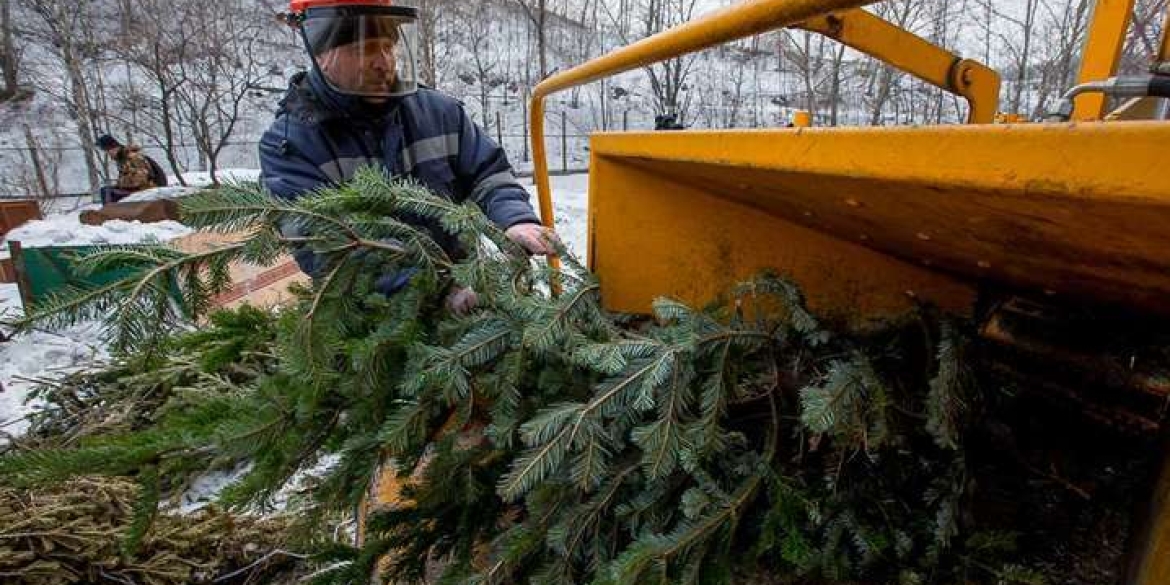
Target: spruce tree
552	441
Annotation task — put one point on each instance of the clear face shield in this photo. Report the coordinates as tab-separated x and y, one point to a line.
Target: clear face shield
366	51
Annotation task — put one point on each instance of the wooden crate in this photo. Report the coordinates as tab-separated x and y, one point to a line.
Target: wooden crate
15	213
261	286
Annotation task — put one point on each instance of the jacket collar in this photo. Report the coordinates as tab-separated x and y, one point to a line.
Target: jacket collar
310	98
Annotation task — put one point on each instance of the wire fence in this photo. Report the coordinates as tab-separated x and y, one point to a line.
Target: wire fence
60	170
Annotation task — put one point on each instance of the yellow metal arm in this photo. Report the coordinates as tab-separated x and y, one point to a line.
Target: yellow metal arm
734	22
872	35
1102	53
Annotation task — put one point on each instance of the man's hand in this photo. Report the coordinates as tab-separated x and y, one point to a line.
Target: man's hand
462	301
537	239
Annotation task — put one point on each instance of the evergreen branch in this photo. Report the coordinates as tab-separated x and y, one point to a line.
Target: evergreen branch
551	331
145	509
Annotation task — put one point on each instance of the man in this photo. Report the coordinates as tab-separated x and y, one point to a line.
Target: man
136	171
360	104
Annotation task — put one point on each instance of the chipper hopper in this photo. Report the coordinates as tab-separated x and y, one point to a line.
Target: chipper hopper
1025	228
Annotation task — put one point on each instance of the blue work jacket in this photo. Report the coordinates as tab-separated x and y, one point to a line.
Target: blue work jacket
320	138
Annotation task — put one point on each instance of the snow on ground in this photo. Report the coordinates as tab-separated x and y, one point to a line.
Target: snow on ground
67	230
203	179
195	181
35	356
570	207
160	193
45	355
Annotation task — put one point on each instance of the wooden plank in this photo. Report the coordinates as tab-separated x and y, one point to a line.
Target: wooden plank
14	214
22	283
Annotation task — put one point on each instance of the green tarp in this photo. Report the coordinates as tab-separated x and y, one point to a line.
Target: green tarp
44	271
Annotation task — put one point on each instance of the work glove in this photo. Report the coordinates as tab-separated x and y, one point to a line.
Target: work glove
536	239
461	301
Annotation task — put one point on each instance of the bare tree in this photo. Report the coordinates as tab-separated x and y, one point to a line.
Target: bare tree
1145	35
431	15
902	13
537	12
221	73
9	54
64	28
1016	39
38	166
158	50
481	42
806	52
1063	34
667	78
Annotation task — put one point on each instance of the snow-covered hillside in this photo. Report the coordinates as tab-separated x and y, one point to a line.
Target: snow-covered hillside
485	54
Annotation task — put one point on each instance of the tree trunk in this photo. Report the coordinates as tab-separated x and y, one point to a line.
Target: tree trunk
38	166
81	107
1025	58
885	82
169	136
835	86
8	62
524	110
542	37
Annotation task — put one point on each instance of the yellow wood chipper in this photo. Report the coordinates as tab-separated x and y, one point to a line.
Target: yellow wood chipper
1019	227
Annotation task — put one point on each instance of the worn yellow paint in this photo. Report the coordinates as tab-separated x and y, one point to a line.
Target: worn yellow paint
654	233
1102	53
906	51
1077	211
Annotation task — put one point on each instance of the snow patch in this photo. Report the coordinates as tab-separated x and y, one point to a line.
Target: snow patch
570	208
67	230
203	179
160	193
38	356
205	489
41	355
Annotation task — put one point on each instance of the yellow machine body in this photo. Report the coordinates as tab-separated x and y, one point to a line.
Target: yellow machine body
871	220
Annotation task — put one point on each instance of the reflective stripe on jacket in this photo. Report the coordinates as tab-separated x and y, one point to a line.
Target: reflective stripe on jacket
320	138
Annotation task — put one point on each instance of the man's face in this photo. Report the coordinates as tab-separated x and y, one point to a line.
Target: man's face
364	67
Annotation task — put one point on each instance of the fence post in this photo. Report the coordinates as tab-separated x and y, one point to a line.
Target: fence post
499	130
564	141
625	120
524	119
